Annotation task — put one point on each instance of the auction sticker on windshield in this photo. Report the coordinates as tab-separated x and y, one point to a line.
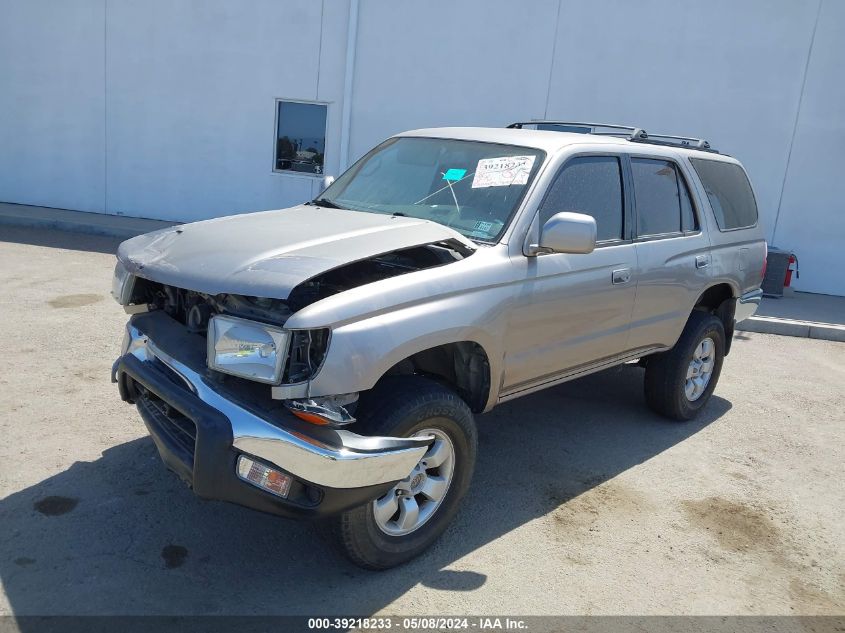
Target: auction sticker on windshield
502	171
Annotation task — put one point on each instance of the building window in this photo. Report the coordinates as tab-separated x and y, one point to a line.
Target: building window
300	137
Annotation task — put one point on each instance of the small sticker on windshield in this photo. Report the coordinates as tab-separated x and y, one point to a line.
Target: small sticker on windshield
503	171
454	174
483	226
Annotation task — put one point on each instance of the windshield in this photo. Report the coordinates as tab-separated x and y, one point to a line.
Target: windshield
469	186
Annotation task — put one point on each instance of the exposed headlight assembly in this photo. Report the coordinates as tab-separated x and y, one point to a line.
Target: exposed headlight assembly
307	352
248	349
122	284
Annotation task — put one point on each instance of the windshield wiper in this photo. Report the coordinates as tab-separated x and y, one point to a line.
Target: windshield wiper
328	204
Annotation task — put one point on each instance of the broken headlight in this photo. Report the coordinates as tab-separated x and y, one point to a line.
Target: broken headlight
122	284
307	352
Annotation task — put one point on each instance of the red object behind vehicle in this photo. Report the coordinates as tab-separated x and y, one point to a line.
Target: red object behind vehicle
765	260
788	279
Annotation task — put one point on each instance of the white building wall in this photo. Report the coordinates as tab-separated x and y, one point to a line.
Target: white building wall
52	98
812	212
191	91
166	109
722	70
435	63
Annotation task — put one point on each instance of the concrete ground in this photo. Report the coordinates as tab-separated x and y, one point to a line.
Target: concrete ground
583	502
801	314
805	306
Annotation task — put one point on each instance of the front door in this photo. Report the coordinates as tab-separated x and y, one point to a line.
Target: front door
574	310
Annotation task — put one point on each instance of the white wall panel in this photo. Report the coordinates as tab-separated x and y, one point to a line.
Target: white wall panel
166	108
190	111
427	64
726	71
51	103
812	217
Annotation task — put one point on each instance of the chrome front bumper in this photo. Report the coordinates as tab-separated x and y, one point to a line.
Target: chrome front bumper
321	456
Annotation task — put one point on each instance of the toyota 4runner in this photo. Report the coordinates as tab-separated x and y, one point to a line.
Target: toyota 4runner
326	360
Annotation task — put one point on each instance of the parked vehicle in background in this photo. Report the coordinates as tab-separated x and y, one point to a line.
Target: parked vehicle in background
326	360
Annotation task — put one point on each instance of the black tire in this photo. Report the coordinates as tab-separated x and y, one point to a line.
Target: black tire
401	406
666	373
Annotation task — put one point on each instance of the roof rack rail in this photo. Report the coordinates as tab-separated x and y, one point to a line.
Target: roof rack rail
628	132
678	141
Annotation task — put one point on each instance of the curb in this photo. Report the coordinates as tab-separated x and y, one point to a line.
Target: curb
77	221
790	327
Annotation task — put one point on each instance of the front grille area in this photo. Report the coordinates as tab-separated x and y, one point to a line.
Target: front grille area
179	431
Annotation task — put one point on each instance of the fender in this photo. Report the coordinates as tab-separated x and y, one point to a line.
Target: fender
373	327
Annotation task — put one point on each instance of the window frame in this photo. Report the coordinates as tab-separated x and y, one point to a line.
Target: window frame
289	172
710	204
679	171
627	209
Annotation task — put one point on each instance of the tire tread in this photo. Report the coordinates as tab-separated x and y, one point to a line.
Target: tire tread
392	401
666	372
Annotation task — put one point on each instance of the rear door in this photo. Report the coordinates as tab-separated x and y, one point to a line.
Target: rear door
673	253
574	310
737	246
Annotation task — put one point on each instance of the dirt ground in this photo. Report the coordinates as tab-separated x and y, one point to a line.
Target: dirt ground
583	502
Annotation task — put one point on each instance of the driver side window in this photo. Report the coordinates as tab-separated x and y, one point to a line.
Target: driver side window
590	185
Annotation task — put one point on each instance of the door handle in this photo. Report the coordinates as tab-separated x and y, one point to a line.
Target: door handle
702	261
621	275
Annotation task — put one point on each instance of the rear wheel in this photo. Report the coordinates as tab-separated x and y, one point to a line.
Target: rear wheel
406	520
678	383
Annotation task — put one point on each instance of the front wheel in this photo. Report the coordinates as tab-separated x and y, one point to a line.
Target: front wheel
406	520
678	383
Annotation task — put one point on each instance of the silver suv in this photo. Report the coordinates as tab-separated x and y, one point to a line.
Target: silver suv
326	360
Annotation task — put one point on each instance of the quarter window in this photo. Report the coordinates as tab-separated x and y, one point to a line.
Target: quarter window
300	137
590	185
663	199
688	220
729	193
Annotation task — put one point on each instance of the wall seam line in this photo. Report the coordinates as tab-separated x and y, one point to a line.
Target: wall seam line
552	64
320	52
348	87
797	119
105	108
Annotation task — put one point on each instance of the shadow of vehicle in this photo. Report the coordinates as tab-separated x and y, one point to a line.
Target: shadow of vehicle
121	535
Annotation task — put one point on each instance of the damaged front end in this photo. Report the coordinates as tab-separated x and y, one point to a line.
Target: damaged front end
217	434
198	365
304	349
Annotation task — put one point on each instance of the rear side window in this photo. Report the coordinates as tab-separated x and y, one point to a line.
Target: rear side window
591	185
729	192
663	200
688	220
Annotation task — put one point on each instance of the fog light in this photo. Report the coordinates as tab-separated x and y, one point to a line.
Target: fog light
263	476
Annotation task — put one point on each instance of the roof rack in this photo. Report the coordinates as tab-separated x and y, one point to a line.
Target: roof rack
628	132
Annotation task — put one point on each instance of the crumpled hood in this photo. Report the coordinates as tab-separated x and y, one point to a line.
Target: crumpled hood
269	253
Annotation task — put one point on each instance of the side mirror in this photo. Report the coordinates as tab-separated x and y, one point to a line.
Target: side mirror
566	232
327	181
